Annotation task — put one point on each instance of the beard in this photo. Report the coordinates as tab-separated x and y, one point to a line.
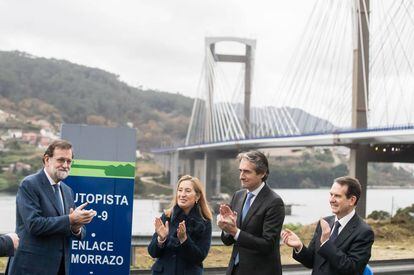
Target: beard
61	174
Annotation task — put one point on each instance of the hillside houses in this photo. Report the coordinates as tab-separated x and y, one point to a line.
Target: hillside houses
40	138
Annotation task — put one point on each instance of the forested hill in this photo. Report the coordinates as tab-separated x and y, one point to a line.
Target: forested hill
60	91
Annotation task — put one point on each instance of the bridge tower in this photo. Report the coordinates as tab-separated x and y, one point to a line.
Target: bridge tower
211	170
359	153
206	164
248	60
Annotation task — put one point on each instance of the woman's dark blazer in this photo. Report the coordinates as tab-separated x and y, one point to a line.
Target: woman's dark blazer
174	258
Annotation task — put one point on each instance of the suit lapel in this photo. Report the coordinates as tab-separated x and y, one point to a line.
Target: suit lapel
347	231
239	207
48	189
258	201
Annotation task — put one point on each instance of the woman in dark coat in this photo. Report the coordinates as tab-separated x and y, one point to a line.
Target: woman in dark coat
182	235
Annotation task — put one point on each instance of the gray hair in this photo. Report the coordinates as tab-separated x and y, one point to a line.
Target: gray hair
258	159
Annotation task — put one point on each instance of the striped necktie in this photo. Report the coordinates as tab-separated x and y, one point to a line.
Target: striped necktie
334	234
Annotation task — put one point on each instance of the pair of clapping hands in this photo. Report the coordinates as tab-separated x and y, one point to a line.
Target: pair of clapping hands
291	239
79	216
162	230
227	220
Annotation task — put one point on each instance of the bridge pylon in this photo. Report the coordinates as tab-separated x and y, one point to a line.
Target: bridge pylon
248	60
358	159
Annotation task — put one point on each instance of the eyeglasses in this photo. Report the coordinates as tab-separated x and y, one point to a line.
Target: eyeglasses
63	161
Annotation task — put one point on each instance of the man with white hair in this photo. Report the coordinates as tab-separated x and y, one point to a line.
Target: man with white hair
46	216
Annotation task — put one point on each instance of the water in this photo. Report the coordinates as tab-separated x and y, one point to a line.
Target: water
311	204
308	206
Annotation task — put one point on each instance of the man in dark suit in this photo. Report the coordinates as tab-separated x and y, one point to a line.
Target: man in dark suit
8	244
344	249
253	222
46	217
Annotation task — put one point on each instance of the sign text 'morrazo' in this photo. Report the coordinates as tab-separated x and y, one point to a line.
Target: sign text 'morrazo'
94	259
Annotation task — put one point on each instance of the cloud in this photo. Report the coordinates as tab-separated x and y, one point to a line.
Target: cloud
154	43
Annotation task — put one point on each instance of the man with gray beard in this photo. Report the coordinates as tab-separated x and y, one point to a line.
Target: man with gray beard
46	216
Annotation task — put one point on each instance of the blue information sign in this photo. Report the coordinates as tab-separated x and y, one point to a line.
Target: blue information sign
102	174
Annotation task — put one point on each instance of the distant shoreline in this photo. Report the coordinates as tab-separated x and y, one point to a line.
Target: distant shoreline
369	187
389	187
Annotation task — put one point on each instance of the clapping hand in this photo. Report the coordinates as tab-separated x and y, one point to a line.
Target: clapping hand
161	229
80	216
181	232
227	219
291	239
326	230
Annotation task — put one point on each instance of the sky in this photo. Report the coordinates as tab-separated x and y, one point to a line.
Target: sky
154	44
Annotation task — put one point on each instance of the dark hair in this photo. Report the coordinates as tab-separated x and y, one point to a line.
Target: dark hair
258	159
354	187
59	143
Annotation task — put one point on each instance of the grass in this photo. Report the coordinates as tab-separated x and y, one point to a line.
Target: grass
219	255
392	241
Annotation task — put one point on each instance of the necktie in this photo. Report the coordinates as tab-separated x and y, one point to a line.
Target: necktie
246	208
56	188
334	234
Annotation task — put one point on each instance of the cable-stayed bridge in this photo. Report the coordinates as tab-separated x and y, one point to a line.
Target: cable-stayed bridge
349	82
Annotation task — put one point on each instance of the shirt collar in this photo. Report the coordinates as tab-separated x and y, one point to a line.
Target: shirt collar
256	191
346	218
51	181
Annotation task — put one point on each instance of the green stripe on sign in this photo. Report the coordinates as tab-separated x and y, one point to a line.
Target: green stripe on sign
102	169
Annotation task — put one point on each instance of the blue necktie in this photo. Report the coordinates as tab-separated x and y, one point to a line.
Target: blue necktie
246	208
58	198
334	234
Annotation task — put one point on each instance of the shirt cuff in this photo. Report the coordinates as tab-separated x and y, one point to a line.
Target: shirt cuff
76	233
237	234
298	251
159	242
324	242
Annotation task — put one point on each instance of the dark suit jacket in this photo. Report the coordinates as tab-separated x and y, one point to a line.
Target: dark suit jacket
258	241
186	258
348	254
6	246
44	233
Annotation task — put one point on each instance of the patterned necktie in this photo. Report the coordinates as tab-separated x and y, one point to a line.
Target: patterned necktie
334	234
56	188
